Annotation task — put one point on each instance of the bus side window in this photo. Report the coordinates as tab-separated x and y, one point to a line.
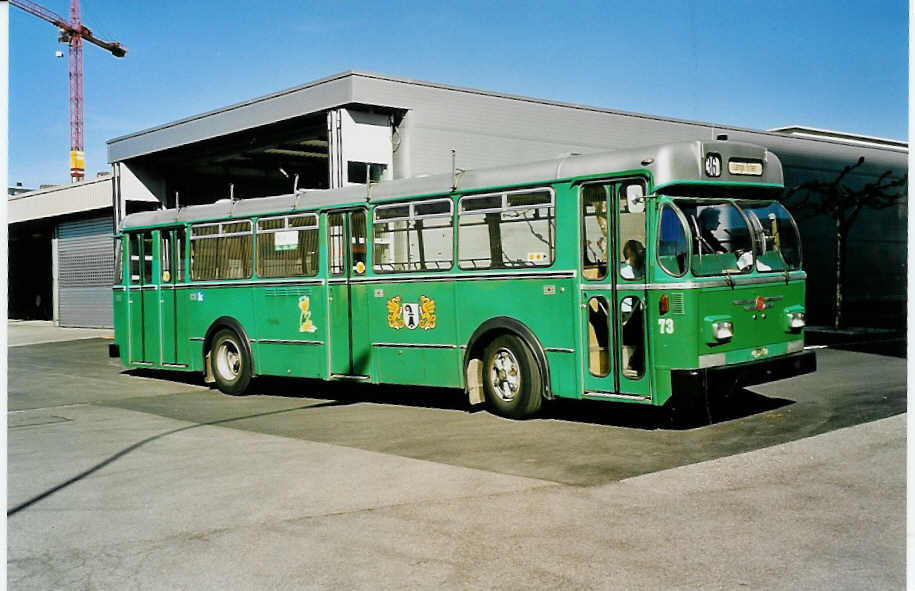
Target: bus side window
673	246
507	230
632	345
632	230
146	264
133	251
165	255
179	255
337	256
118	260
598	336
359	242
594	235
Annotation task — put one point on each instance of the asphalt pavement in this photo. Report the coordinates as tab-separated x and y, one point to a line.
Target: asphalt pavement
123	479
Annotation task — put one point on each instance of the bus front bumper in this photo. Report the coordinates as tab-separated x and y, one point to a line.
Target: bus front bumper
728	378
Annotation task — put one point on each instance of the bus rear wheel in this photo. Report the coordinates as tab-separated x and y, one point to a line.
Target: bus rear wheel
511	378
230	362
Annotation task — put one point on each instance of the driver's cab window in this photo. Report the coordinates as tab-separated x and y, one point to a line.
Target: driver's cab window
631	242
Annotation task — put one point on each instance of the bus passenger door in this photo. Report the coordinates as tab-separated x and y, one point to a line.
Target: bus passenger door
347	300
142	300
629	261
596	294
171	265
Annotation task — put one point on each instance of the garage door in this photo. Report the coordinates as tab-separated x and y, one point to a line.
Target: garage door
85	263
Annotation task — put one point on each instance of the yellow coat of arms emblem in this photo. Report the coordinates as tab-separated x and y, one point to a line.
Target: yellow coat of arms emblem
411	315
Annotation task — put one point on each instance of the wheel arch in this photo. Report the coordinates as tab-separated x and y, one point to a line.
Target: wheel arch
216	326
494	327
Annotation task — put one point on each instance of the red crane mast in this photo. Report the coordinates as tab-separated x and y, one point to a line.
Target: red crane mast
72	33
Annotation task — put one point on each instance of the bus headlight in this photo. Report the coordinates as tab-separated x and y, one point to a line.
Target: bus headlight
718	329
723	330
795	318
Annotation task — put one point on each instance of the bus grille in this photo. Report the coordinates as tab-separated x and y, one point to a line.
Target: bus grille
677	305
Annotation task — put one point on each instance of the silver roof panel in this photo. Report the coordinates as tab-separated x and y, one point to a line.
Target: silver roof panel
666	164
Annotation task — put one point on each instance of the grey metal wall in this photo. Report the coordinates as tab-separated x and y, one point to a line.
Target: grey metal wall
85	259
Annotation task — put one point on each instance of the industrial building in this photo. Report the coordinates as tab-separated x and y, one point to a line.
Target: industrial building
356	126
61	258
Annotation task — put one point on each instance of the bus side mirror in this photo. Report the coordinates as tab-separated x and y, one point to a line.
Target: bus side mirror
635	198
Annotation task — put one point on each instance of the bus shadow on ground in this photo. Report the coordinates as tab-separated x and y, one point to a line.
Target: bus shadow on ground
684	416
698	413
355	392
191	378
718	409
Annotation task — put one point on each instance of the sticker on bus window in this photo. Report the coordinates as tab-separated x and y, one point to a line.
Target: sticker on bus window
538	258
411	315
285	240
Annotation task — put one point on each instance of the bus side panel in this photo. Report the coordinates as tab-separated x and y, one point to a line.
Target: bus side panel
361	335
546	306
290	330
564	374
183	346
119	306
672	338
412	329
206	304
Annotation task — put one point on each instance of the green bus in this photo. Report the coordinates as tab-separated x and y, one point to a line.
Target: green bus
639	275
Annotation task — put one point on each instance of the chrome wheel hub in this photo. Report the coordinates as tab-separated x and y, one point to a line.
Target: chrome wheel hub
228	361
505	375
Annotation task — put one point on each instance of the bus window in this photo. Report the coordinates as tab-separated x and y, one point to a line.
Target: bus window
336	252
221	251
287	246
722	243
778	245
632	230
146	266
673	248
598	336
165	251
594	235
507	230
179	254
359	242
632	345
118	261
133	249
413	237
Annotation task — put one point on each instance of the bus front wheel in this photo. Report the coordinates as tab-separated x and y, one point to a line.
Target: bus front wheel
230	362
511	378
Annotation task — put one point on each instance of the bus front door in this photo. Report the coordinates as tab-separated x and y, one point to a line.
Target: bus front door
349	346
142	300
629	260
613	289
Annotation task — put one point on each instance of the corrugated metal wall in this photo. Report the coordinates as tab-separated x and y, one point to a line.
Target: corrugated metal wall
85	259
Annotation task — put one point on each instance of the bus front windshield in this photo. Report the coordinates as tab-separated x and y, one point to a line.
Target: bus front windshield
722	241
778	243
728	237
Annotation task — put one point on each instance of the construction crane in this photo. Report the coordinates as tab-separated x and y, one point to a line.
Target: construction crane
72	33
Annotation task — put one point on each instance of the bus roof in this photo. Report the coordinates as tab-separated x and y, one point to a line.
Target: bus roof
668	165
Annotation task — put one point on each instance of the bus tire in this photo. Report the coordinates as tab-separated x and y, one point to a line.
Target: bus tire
230	362
511	378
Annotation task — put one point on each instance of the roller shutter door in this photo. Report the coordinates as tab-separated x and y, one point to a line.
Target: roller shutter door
85	259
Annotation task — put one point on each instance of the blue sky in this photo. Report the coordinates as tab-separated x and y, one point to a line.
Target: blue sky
834	65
